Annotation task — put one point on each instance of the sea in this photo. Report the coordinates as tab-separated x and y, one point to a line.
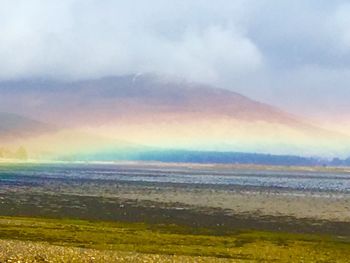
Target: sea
207	176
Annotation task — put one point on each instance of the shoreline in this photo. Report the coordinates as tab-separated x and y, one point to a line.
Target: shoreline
51	191
211	166
71	210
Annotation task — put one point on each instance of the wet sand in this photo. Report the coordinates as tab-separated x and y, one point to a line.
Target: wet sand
301	205
54	218
224	206
94	208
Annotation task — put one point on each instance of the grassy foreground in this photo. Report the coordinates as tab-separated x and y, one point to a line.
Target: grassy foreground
41	240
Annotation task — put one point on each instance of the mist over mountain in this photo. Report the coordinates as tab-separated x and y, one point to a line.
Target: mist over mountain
130	95
155	111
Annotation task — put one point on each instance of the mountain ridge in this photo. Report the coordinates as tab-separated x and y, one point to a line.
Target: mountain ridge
161	112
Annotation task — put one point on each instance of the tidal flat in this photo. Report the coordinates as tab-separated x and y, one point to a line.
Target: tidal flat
173	213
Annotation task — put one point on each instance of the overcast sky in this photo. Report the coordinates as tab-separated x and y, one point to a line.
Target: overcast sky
293	54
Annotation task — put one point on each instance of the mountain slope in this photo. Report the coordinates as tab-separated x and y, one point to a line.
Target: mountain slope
164	113
15	126
141	94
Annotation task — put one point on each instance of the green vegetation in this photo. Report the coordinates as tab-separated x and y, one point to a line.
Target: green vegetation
178	240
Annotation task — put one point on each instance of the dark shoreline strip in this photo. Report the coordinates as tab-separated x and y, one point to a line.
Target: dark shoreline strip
113	209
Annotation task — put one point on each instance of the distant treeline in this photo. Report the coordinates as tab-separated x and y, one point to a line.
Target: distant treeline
340	162
229	158
185	156
19	154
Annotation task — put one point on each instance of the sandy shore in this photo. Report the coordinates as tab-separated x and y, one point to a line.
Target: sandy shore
94	193
237	221
25	251
319	206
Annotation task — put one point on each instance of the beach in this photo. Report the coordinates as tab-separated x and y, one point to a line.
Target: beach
214	201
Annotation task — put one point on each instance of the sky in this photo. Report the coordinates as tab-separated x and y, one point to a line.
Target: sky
292	54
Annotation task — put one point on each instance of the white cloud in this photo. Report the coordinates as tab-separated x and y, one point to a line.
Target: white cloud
82	39
281	52
201	55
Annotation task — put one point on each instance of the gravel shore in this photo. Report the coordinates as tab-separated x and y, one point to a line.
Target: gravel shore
29	252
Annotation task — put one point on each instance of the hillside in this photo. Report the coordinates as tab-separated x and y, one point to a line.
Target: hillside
13	126
170	114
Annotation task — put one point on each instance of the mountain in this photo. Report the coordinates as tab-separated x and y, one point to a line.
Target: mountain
13	126
109	98
169	114
14	129
144	95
